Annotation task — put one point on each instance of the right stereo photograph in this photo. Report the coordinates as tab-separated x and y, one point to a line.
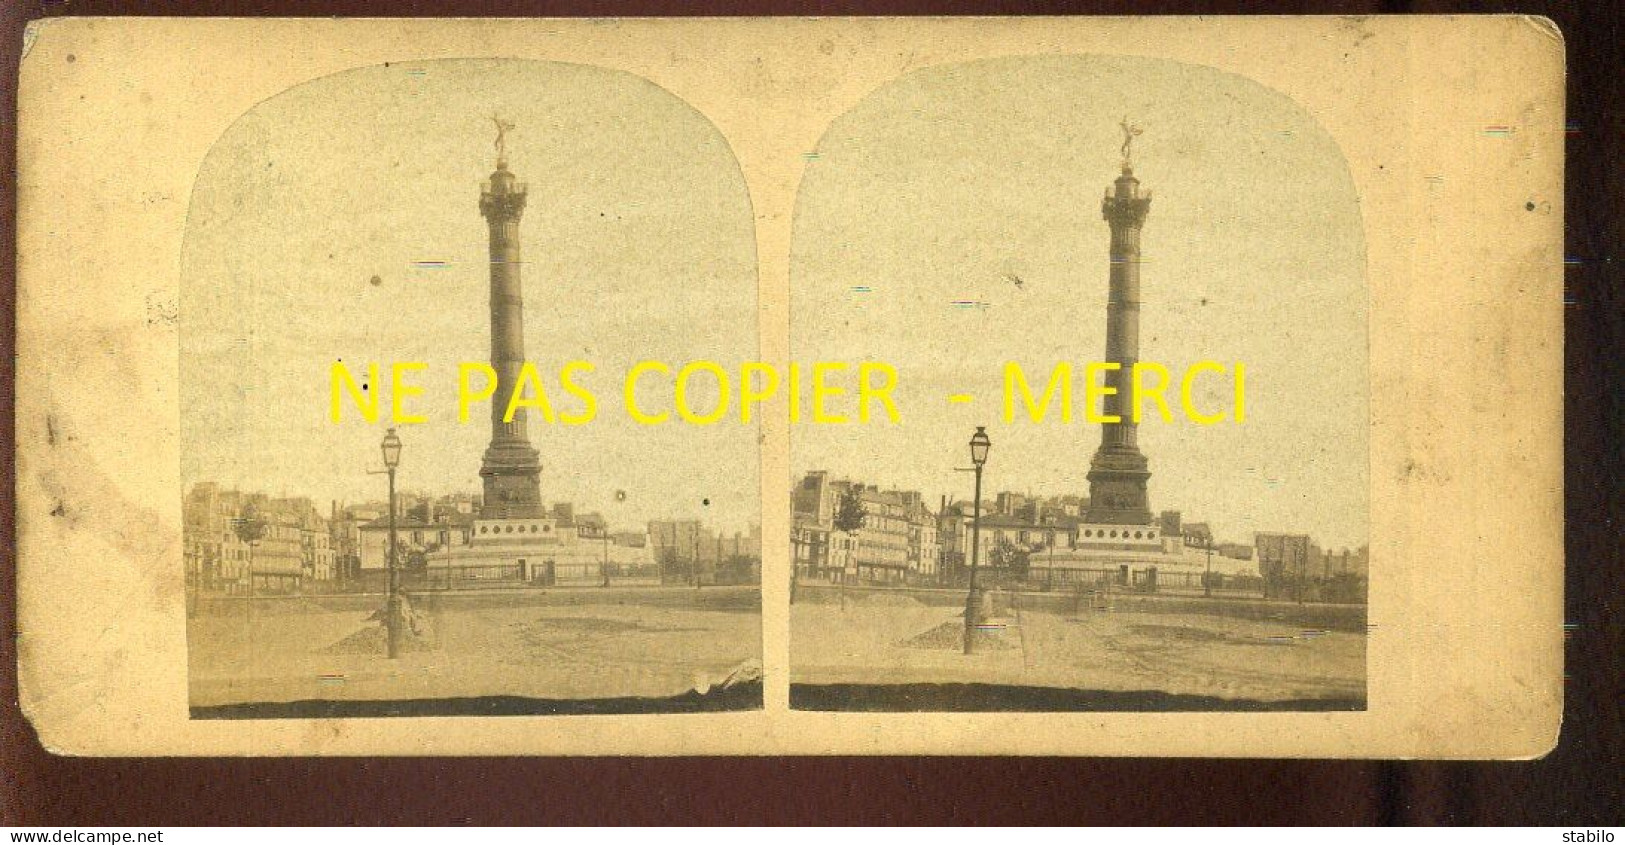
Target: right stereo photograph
1118	307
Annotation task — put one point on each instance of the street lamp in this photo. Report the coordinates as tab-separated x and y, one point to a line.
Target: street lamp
392	609
1301	554
697	572
979	444
250	528
1207	580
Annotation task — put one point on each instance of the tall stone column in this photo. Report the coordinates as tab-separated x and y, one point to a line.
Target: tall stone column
511	469
1118	473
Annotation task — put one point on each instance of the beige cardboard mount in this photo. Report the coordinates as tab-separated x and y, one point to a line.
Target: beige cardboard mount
1452	129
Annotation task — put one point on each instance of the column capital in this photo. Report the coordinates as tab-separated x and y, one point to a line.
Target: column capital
503	207
1127	212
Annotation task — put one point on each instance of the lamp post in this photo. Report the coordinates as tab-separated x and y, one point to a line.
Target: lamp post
250	528
392	609
1301	553
979	444
1207	580
1049	574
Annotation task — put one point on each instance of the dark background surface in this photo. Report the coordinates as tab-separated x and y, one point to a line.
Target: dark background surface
1577	784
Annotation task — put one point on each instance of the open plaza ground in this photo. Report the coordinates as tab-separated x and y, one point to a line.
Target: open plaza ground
585	644
1249	652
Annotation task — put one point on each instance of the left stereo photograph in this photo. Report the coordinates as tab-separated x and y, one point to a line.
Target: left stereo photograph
449	336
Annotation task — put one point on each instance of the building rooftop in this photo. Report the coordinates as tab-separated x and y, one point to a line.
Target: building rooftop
449	520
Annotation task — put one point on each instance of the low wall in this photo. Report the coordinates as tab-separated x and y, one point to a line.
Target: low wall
727	599
1329	617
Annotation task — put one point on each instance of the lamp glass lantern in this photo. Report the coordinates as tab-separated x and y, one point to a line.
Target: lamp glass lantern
392	449
979	444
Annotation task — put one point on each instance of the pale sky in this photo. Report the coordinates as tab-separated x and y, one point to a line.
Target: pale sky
638	241
940	186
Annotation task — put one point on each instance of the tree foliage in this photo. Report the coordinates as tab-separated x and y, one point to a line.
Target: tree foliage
849	515
248	524
1012	556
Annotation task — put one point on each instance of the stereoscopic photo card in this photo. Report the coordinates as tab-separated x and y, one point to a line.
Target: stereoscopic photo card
1070	386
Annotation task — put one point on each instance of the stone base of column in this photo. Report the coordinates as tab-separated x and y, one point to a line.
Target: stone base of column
1118	481
513	486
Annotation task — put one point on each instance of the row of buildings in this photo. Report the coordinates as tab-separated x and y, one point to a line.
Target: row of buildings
847	531
894	538
842	531
231	537
239	542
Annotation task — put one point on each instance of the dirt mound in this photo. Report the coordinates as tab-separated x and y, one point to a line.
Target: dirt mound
748	672
951	635
373	639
